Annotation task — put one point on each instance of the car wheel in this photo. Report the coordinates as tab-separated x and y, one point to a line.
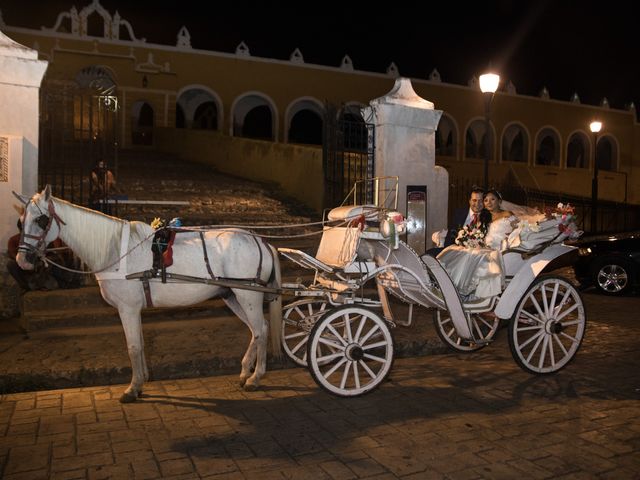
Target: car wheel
612	276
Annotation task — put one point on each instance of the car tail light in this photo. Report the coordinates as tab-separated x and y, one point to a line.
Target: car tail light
584	251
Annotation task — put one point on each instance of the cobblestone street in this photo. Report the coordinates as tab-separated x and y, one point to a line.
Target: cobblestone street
439	416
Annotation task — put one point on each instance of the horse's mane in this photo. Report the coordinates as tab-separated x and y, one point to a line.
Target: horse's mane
93	236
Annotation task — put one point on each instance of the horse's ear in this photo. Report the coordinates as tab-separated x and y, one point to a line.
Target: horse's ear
23	199
46	193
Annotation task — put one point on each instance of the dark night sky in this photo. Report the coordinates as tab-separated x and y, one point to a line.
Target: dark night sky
568	46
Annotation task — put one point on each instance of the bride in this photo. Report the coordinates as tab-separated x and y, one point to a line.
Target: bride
479	272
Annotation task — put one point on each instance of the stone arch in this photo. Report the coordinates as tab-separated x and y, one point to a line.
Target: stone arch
607	153
475	138
515	143
579	151
96	83
304	119
254	115
197	106
548	147
447	136
142	121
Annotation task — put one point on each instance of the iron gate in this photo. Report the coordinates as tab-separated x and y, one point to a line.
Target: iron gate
348	155
77	129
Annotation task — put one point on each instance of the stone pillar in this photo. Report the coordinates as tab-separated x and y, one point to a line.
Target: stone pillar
405	126
20	77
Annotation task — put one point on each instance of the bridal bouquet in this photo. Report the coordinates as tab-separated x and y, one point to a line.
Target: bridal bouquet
555	225
472	237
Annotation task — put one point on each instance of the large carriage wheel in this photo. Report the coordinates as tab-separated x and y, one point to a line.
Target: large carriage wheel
483	328
350	351
548	325
298	319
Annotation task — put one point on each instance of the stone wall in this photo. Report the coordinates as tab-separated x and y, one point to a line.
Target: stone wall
297	169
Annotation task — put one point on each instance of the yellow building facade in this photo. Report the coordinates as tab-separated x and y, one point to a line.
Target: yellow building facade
540	143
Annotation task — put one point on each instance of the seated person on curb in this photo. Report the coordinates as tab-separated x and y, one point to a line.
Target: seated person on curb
461	217
102	184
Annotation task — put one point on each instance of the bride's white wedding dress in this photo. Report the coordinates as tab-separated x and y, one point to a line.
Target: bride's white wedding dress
479	272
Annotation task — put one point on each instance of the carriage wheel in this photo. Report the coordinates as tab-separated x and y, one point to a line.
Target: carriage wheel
482	328
548	326
350	351
298	319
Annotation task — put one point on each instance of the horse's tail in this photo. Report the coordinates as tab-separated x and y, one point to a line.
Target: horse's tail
275	306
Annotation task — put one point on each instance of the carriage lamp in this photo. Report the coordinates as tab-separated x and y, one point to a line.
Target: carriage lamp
488	85
595	127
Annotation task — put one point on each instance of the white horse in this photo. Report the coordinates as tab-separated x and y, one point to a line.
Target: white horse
125	247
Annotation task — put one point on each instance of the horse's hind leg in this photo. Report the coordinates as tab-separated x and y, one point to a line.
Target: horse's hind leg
132	326
251	304
249	357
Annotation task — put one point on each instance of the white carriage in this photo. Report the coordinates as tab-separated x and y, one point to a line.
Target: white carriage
339	329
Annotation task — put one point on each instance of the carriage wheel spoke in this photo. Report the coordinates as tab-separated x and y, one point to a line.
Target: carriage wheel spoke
532	338
564	350
531	316
330	357
331	344
374	345
347	328
572	339
567	311
337	335
535	347
373	357
535	303
369	333
367	369
545	300
554	296
345	375
363	320
570	323
552	356
543	351
296	335
299	344
329	372
356	377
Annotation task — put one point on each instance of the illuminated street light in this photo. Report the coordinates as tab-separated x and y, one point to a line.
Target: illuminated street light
595	127
488	85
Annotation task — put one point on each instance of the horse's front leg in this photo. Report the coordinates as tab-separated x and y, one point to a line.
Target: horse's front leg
132	325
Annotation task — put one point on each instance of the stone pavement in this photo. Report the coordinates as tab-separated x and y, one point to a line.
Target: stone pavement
181	343
450	416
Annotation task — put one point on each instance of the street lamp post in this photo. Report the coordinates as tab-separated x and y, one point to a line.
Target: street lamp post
488	85
595	127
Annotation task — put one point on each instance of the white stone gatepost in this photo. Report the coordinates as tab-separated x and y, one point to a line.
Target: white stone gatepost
21	74
405	126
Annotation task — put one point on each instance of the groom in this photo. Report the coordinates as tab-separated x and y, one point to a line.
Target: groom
461	217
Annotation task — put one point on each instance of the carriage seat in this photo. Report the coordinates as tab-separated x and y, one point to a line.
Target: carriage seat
352	212
337	250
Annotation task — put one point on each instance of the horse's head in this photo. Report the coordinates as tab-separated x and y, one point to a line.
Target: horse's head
40	226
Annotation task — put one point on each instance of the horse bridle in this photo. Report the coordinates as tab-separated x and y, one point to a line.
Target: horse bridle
43	221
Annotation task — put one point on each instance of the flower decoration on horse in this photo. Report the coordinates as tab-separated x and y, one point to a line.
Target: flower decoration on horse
472	236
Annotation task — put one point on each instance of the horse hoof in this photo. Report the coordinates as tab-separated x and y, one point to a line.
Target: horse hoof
250	387
128	397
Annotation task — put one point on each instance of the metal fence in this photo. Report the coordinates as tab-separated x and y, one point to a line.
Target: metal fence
611	216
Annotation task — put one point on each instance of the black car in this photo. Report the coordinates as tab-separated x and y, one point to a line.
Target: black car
609	262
